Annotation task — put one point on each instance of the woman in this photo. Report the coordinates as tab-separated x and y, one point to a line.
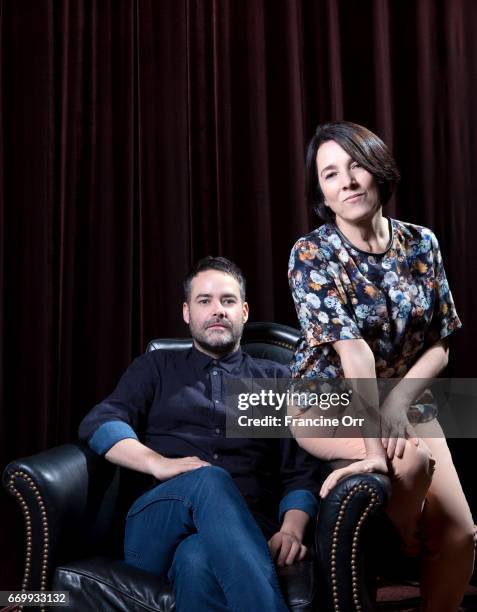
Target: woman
373	302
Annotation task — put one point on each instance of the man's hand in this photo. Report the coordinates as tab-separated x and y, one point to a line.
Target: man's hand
286	548
164	468
132	454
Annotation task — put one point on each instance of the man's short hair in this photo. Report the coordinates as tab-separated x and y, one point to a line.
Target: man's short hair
221	264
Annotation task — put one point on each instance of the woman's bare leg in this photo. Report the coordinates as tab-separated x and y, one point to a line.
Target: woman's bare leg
410	477
429	511
447	531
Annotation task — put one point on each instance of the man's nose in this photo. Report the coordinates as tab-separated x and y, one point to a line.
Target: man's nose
219	310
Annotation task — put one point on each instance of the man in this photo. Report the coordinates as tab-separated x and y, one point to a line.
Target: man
200	525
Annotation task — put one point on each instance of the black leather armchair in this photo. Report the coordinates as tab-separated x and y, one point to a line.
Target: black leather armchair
74	504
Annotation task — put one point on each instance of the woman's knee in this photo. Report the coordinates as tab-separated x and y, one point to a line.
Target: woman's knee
415	466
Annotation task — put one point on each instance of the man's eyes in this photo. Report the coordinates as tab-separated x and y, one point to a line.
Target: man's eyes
224	301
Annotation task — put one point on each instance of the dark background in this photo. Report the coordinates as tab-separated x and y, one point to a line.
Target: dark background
137	136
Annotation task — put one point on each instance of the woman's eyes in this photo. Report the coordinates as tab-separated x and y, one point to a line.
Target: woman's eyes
330	175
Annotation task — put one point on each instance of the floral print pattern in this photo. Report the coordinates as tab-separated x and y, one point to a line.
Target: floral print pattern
398	301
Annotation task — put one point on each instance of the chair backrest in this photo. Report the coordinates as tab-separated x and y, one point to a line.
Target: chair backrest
261	339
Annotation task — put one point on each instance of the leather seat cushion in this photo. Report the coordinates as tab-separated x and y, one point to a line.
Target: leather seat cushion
114	585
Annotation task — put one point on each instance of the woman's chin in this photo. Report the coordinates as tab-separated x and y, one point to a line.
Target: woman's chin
357	214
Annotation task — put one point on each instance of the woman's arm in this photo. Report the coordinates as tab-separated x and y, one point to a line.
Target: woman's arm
418	378
357	361
429	365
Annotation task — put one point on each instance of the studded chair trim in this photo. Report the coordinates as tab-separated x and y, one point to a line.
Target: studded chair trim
14	491
373	503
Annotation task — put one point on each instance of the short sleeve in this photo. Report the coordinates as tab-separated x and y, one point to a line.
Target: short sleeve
322	306
444	317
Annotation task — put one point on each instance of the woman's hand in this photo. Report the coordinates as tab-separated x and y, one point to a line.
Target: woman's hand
396	428
373	463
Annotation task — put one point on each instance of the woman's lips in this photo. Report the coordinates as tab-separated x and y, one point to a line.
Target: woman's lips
352	198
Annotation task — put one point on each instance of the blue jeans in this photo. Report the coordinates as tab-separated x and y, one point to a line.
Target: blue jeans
197	529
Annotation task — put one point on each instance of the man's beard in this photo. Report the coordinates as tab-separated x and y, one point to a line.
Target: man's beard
220	342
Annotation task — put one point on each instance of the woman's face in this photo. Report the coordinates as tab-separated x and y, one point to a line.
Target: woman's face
350	191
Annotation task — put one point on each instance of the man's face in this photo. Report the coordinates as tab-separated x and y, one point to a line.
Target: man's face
215	313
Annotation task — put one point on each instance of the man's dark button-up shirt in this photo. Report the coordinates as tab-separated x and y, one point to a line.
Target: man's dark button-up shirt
173	402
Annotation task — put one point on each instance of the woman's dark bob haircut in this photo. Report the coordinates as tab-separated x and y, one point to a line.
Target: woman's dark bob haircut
361	145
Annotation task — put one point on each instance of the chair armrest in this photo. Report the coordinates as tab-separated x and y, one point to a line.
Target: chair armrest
343	524
66	495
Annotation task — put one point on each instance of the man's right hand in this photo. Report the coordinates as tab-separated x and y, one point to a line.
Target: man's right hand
165	468
132	454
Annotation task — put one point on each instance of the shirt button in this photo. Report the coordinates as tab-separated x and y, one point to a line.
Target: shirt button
215	456
216	401
214	372
217	430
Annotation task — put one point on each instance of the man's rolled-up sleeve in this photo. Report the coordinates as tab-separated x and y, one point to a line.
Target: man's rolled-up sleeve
301	476
108	434
299	499
125	411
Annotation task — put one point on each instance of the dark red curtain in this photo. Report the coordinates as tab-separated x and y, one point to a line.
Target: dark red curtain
139	135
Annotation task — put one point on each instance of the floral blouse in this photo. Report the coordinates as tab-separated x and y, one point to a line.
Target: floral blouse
398	301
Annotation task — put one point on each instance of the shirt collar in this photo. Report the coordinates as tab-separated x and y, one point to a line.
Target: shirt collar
228	363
